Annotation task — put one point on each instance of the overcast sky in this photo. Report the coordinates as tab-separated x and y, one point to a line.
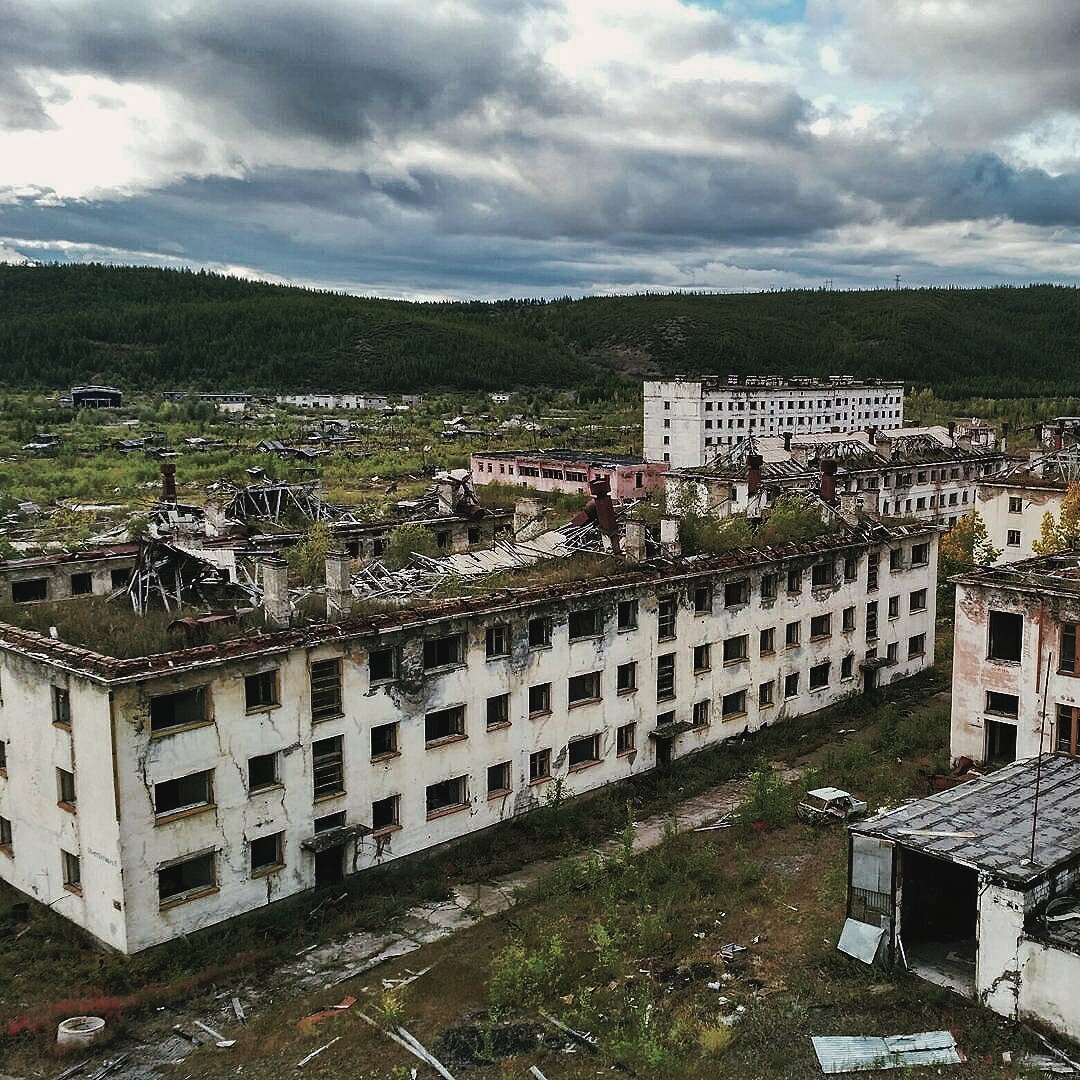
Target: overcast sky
423	148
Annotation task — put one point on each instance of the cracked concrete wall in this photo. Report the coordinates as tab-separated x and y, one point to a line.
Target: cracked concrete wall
58	575
1001	913
232	734
1049	978
29	796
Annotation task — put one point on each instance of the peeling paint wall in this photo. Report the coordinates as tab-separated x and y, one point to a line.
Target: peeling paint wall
1049	978
994	502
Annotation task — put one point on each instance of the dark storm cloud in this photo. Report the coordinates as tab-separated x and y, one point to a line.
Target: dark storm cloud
337	72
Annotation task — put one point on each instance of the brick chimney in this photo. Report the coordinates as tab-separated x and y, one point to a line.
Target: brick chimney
670	546
828	481
635	541
338	585
753	473
275	587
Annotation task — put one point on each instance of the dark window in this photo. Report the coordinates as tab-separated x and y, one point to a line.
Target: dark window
5	833
497	640
703	657
498	778
330	821
767	641
737	593
384	813
847	666
260	690
871	620
584	751
582	624
794	581
265	852
26	592
442	539
894	607
735	648
792	633
498	710
119	578
1006	635
733	704
65	786
626	677
820	626
1012	538
262	771
703	599
1069	661
441	652
665	617
628	613
325	689
768	587
178	710
3	756
625	738
1016	505
382	664
765	693
791	685
72	870
328	767
446	795
851	567
896	559
384	740
187	877
819	676
61	706
82	584
917	600
821	574
1002	704
474	534
185	792
444	724
700	715
916	646
665	676
1000	741
849	618
920	554
581	688
539	633
540	699
872	573
539	766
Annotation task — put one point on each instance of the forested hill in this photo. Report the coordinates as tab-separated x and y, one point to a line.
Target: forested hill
148	328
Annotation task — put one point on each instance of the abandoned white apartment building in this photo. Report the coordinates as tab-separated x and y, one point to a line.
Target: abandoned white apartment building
144	798
688	421
94	572
976	889
1014	503
920	473
1016	665
378	402
568	471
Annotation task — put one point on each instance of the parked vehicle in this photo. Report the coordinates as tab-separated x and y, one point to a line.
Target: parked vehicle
823	805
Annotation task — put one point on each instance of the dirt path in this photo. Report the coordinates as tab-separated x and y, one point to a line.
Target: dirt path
325	965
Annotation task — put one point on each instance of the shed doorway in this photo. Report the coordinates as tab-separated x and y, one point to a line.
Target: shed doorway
330	865
938	915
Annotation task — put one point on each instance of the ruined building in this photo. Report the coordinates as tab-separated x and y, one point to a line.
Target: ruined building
148	797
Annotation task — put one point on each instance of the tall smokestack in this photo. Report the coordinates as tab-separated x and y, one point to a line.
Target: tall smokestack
168	483
753	473
275	587
828	481
338	585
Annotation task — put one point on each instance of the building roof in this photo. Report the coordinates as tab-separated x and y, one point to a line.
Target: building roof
603	458
1045	575
986	823
778	382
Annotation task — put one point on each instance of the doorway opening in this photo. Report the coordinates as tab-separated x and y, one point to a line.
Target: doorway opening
330	865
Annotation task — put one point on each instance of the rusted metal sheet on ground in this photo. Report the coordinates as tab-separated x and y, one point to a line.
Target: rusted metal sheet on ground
864	1053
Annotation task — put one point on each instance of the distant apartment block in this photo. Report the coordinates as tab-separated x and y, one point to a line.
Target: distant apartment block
690	420
569	471
342	401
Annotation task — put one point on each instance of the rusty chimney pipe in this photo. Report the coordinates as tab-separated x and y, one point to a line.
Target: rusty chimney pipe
828	481
753	473
168	482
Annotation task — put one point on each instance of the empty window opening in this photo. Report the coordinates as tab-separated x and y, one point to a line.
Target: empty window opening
498	779
26	592
626	677
628	614
703	657
665	617
184	793
736	649
791	634
266	853
384	740
539	766
819	676
768	587
182	709
821	574
328	767
583	752
444	724
539	633
1068	730
1002	704
767	641
733	704
703	598
263	772
665	676
65	787
260	690
72	871
700	715
1000	742
582	688
444	651
765	693
82	584
625	739
382	664
582	624
737	593
447	795
186	878
5	834
384	813
497	640
61	706
820	626
498	711
540	699
917	600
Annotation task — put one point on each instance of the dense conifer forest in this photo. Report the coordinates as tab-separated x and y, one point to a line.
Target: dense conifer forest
144	328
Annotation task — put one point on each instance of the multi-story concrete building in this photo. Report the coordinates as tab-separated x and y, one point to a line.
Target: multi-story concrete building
337	401
568	471
147	797
1016	672
920	473
688	421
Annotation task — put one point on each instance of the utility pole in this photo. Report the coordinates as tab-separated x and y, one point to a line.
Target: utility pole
898	281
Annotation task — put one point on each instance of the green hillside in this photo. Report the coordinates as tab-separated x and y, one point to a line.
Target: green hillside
148	328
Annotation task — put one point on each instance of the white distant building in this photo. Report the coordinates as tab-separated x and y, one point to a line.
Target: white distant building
335	401
689	421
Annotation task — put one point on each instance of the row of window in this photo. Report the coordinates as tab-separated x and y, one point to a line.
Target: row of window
81	584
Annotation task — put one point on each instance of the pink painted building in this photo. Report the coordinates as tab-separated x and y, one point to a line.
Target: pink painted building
569	471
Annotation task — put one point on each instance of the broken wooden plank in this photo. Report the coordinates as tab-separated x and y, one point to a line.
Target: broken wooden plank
420	1053
579	1036
315	1053
425	1054
222	1042
534	1071
238	1010
72	1070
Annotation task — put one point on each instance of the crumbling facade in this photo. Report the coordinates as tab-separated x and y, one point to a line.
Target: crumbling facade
568	471
94	572
1016	666
150	797
688	421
